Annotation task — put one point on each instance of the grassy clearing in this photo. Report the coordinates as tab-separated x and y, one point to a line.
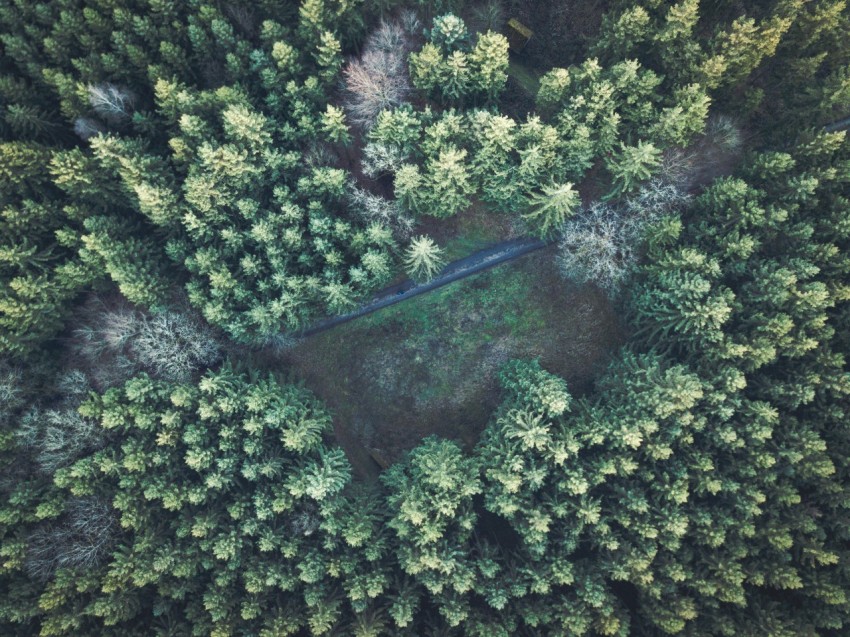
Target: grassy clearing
470	231
430	365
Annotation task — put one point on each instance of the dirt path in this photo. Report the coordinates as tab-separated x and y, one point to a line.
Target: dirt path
454	271
841	124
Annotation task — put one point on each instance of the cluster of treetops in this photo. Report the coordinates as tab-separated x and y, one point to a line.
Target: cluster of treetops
148	487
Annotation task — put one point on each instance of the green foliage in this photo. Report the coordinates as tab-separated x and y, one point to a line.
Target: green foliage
423	258
535	388
452	71
199	161
448	32
700	487
552	207
41	273
233	470
592	107
489	58
678	124
430	504
252	239
632	165
134	264
441	189
666	38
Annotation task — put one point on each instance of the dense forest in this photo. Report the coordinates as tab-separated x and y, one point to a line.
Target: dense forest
186	187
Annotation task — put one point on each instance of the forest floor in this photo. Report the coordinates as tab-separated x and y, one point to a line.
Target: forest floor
430	365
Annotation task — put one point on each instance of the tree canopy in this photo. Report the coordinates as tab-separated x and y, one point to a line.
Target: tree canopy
185	187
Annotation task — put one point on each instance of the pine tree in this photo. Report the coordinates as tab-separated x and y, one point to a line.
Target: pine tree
449	33
134	264
623	34
489	61
215	499
430	501
632	165
41	274
448	68
448	183
427	68
552	207
334	126
423	258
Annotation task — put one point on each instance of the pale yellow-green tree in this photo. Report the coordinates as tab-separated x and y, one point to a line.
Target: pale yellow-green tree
551	207
423	258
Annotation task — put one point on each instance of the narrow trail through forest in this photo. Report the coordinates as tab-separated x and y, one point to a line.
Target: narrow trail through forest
454	271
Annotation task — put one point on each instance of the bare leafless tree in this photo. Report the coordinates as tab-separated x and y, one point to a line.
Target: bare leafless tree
174	345
678	167
377	80
88	127
654	199
115	341
109	329
601	244
381	159
100	343
723	132
374	208
113	103
243	17
486	16
280	342
11	391
713	154
58	435
598	247
80	541
410	22
390	37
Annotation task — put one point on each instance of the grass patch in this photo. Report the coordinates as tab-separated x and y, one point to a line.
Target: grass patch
430	365
524	76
